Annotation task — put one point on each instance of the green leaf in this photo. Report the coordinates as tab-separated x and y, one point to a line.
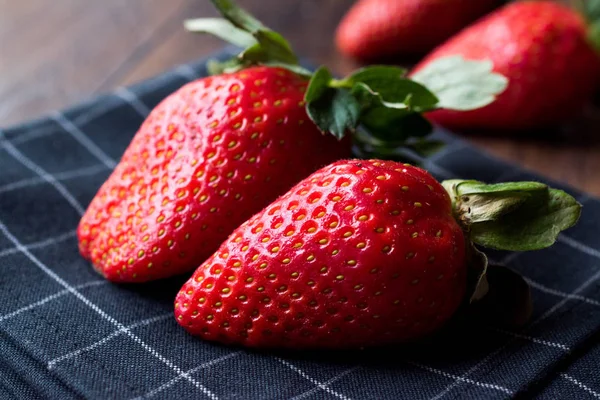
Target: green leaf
391	88
594	35
390	103
215	67
395	126
267	45
271	46
276	46
370	98
376	73
297	69
222	29
318	84
546	218
591	10
516	216
461	84
335	111
238	16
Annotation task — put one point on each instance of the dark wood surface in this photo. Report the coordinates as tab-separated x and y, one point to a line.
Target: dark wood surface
53	54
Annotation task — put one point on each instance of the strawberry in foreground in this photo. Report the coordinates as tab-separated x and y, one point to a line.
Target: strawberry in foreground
379	28
221	148
364	253
549	53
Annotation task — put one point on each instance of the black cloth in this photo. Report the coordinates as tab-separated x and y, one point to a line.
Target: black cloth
67	333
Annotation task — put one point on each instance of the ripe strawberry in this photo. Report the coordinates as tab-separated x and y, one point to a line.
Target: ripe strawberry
378	28
221	148
360	253
207	158
542	48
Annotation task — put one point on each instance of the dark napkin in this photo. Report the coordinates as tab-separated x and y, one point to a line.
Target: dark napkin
67	333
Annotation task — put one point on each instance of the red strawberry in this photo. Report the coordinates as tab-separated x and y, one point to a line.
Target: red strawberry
378	28
360	253
221	148
542	48
207	158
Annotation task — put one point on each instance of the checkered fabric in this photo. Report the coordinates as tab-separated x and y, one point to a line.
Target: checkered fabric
67	333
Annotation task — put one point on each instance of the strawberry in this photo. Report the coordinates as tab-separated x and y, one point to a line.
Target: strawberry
205	159
543	49
221	148
363	253
378	28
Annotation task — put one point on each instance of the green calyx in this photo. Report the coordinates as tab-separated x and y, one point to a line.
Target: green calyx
515	216
382	99
590	9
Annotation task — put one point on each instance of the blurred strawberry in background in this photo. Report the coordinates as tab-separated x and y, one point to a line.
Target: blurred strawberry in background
373	29
548	52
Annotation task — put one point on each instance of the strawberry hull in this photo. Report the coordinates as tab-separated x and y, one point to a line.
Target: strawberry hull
207	158
361	253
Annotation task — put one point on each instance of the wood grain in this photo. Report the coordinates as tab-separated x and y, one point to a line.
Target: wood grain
53	54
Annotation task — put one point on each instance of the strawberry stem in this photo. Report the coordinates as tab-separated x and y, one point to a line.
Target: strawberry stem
515	216
382	99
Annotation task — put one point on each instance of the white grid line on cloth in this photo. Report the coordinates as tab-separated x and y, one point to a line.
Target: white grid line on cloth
30	135
20	157
463	379
67	195
190	371
102	313
430	163
133	100
582	287
102	108
546	289
326	383
48	299
575	244
83	139
510	257
311	379
555	292
583	248
105	339
93	113
581	385
547	314
60	176
533	339
154	352
40	244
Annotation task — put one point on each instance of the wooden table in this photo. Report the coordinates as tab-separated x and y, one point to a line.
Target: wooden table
53	54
